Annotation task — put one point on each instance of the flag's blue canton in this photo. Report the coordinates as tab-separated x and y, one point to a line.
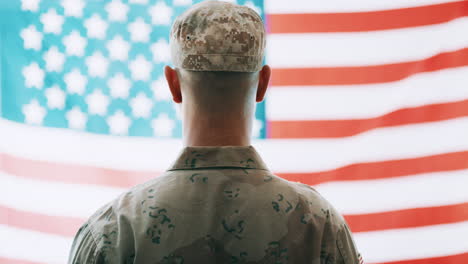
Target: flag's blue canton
92	65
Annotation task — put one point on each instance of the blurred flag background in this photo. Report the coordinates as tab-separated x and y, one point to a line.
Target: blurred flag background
369	98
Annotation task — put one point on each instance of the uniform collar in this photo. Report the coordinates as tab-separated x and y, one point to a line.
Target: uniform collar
244	157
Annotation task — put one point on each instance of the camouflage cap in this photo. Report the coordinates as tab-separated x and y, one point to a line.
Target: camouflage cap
218	36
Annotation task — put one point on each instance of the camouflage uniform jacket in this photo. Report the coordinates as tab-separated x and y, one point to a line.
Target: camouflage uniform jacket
216	205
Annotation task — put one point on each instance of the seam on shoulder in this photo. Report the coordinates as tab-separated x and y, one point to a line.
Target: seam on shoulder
93	236
340	246
84	241
97	251
106	209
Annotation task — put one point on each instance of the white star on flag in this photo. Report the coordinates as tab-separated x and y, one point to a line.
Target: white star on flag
34	113
141	105
162	125
118	48
161	90
116	11
76	118
182	2
33	75
141	2
97	103
250	4
55	97
75	44
54	60
31	5
139	30
118	123
119	86
73	8
75	82
97	65
32	38
160	14
96	27
52	21
141	68
161	51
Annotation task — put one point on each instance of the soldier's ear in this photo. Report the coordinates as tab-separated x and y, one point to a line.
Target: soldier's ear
263	79
174	84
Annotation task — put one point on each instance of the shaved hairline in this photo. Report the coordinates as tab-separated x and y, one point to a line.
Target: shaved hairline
219	91
216	75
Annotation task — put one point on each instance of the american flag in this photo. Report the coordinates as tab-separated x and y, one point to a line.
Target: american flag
369	98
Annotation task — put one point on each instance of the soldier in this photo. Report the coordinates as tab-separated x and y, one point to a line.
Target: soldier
218	202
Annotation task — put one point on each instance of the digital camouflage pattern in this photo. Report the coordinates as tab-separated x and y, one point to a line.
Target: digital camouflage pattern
218	36
216	205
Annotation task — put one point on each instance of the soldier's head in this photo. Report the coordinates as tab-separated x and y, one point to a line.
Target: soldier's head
217	50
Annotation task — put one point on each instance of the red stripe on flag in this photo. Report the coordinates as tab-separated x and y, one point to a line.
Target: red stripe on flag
67	226
367	74
70	173
408	218
351	127
452	259
384	169
57	225
366	21
80	174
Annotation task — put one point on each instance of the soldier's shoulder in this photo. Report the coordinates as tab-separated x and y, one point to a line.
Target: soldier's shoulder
119	217
307	191
318	204
125	204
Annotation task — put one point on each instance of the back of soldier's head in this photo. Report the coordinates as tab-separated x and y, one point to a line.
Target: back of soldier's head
218	48
218	36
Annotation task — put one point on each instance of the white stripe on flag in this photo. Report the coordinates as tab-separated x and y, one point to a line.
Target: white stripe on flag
373	196
375	246
332	6
67	146
409	141
354	197
413	243
365	48
54	198
366	101
33	246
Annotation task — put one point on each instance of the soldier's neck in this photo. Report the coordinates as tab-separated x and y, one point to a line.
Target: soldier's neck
216	131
